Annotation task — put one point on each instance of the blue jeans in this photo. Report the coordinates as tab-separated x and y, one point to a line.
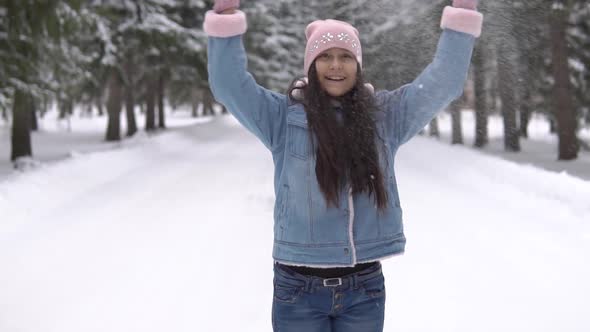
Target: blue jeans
353	303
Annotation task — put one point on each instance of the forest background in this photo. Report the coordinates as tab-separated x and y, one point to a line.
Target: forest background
116	58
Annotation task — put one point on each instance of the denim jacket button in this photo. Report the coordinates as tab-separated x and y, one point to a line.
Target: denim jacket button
346	251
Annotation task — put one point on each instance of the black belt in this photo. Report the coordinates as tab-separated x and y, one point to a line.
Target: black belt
332	272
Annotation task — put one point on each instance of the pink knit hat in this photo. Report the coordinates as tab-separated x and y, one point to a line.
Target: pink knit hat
325	34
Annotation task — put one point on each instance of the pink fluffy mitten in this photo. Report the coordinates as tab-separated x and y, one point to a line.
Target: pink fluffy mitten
466	4
221	5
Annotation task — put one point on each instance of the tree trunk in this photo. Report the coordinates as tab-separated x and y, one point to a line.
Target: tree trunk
114	103
194	112
129	111
129	96
88	111
44	107
457	132
493	101
433	128
525	115
66	108
506	84
161	114
552	126
479	90
562	98
62	108
21	127
150	114
195	103
99	107
527	103
495	98
34	124
70	109
207	104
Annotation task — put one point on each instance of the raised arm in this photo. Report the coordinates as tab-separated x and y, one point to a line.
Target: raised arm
260	110
414	105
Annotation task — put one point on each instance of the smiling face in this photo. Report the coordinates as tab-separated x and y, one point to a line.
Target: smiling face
336	69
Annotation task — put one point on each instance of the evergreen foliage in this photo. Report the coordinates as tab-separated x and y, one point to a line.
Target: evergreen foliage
67	51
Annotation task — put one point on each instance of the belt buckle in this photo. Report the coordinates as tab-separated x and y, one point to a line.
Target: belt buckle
328	282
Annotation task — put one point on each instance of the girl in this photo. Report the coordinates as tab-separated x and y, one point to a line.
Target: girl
333	141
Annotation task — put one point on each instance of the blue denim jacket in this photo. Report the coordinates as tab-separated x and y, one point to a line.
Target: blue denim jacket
306	231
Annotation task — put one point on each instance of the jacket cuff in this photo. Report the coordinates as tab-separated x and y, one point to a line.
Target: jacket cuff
225	25
462	20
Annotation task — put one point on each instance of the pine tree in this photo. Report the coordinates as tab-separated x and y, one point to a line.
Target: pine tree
28	27
578	38
187	80
286	40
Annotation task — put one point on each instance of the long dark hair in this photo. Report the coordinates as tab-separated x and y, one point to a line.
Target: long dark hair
345	151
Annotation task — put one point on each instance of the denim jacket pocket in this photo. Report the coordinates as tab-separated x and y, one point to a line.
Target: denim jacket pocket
298	139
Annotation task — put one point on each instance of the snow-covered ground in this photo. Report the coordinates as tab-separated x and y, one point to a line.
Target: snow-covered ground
174	233
59	139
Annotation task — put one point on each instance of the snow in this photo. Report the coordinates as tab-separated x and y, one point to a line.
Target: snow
118	4
4	100
557	5
173	232
164	3
577	65
104	34
58	139
154	22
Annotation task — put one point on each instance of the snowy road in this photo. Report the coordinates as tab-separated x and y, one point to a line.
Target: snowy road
175	234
